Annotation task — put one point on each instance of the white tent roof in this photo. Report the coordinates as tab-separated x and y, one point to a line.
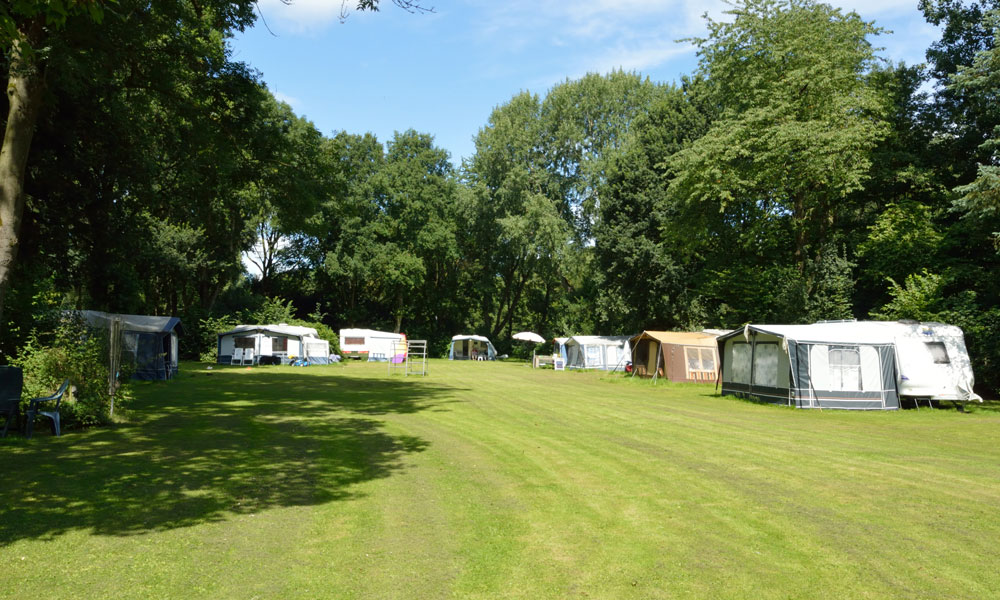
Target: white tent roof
480	338
143	323
280	329
598	340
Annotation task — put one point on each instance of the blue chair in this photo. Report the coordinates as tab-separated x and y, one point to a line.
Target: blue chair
11	383
53	414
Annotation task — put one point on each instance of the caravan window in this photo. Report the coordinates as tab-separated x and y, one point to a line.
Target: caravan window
279	344
938	352
354	341
700	362
593	356
741	362
845	368
765	364
244	342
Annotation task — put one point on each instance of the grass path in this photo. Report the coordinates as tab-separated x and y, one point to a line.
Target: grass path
497	481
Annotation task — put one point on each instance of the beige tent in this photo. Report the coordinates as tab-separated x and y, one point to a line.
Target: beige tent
676	355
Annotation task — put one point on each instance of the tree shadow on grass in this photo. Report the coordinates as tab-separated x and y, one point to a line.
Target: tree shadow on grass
206	447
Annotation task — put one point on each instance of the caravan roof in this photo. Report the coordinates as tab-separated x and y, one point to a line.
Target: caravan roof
849	331
370	333
867	332
280	329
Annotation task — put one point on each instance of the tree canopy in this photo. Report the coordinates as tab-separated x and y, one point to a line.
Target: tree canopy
795	176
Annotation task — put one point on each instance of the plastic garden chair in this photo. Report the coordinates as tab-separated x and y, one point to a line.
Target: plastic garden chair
53	414
11	383
237	356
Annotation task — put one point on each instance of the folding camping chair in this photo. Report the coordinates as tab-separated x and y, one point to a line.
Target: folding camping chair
53	414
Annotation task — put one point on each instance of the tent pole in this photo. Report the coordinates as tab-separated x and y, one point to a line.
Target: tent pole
634	369
659	355
615	370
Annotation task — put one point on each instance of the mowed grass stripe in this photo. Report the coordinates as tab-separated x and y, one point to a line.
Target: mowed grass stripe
493	417
833	517
495	480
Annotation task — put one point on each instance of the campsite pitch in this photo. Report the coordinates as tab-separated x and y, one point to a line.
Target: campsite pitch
493	480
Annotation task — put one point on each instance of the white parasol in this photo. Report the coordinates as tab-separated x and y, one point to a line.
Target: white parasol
527	336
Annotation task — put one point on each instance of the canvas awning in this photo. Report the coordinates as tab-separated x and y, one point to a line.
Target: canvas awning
683	338
140	323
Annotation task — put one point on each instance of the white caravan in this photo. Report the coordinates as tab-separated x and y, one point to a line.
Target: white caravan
368	344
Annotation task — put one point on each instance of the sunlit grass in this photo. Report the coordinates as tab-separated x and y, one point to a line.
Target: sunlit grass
488	480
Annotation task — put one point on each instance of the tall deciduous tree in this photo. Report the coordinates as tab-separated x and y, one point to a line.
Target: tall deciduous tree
518	231
980	83
964	117
799	118
415	227
583	122
288	188
41	39
648	251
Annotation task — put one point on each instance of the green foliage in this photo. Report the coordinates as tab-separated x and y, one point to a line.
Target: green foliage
206	335
798	117
980	82
920	298
272	311
928	296
965	111
902	241
75	352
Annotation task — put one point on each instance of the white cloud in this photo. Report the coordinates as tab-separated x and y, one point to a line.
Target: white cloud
639	58
877	8
292	101
300	16
641	34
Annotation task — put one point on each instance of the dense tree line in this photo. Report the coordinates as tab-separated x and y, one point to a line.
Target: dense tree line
795	176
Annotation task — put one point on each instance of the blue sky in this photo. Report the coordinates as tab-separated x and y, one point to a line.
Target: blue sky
443	73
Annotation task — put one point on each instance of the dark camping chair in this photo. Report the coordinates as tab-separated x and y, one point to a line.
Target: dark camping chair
11	383
53	414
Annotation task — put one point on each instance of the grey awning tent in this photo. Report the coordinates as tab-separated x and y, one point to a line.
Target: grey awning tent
270	340
150	343
471	347
597	352
847	364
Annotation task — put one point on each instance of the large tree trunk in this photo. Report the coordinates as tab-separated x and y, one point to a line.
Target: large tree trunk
799	224
25	89
399	311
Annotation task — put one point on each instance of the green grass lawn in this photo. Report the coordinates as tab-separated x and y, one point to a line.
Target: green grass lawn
488	480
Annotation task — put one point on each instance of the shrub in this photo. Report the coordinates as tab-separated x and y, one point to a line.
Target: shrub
324	331
207	335
75	352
